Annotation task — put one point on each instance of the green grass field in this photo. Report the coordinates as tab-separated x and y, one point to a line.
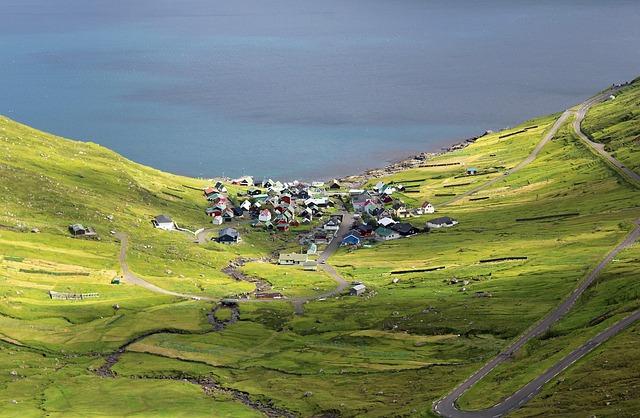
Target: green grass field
392	351
616	123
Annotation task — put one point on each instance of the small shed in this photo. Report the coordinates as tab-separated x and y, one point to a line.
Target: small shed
78	230
357	290
115	280
163	222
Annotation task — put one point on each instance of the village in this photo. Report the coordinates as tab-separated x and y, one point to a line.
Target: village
378	214
316	212
317	215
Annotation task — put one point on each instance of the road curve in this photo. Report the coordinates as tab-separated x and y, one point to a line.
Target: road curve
522	164
446	406
131	278
345	226
596	146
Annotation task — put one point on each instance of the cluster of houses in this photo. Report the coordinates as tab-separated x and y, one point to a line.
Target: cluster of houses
281	205
270	204
387	231
383	214
325	233
380	203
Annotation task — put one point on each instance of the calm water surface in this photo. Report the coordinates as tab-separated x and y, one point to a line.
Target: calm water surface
301	88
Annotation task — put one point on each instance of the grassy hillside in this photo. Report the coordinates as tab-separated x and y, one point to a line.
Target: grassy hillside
616	123
391	352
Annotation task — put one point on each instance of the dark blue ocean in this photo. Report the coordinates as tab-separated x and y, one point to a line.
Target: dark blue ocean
300	88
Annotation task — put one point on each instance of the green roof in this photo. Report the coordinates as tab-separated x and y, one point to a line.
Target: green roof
384	232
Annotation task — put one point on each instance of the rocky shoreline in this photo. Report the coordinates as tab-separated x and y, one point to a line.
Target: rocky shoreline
413	161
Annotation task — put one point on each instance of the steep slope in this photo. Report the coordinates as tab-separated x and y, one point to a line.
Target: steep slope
616	123
394	351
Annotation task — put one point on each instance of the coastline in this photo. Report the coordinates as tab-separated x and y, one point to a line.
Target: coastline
406	163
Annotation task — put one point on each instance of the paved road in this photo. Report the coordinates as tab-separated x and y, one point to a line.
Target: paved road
446	406
532	156
599	148
298	303
345	227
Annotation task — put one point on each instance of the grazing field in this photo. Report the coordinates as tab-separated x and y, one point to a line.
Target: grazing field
291	281
437	305
616	123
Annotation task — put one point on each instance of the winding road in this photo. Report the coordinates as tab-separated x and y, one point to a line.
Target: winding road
596	146
298	303
131	278
446	406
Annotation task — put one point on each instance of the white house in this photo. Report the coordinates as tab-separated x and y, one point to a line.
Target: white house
401	212
382	188
386	221
332	224
318	201
163	222
293	258
243	181
425	208
221	187
444	222
386	234
246	205
277	187
265	215
217	220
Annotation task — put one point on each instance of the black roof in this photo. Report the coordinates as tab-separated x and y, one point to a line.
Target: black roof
402	227
162	219
442	220
228	232
364	228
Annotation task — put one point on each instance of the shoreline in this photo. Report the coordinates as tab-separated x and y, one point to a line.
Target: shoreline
411	161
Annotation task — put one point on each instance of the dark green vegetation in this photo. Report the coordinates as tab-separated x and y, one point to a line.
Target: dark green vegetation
391	352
